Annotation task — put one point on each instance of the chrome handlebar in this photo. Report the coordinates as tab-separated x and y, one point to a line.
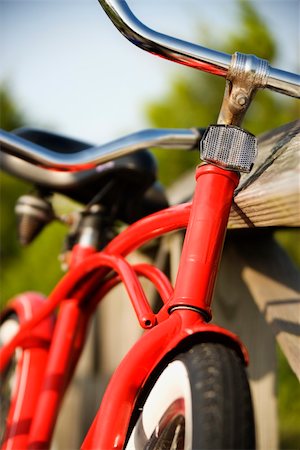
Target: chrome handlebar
201	58
189	54
185	139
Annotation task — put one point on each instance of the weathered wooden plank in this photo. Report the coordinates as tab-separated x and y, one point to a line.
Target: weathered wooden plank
182	189
234	309
274	284
258	297
270	194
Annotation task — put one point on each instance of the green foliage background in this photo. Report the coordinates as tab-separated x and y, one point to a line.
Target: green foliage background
36	267
191	100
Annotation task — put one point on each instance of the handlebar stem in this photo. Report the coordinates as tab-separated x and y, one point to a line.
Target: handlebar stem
245	75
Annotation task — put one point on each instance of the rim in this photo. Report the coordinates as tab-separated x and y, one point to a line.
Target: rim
168	434
165	421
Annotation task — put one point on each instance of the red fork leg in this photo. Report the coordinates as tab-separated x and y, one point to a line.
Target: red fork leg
204	238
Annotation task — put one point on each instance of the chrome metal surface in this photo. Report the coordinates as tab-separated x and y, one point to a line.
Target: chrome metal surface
229	147
89	237
33	213
91	157
284	82
186	53
253	70
245	75
34	206
162	45
41	176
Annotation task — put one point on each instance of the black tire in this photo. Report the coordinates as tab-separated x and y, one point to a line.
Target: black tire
210	407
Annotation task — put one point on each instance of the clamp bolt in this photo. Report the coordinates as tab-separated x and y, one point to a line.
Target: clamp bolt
241	99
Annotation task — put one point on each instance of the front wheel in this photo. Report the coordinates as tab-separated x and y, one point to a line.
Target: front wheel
201	400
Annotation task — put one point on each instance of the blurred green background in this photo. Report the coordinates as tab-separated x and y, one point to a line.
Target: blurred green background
190	100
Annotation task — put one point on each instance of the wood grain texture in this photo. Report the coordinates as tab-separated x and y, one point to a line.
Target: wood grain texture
270	194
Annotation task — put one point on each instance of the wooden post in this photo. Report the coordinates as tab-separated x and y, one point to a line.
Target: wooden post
258	298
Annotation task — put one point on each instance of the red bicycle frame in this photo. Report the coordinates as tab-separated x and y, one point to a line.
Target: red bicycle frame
183	316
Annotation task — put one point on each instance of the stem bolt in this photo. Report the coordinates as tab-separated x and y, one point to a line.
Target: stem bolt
241	99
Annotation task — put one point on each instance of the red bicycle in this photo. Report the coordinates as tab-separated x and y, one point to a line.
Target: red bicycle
183	384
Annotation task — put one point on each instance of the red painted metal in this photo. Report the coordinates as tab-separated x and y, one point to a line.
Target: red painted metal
79	281
57	374
158	278
30	369
204	237
86	283
135	291
45	311
110	426
149	228
80	253
152	273
132	238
